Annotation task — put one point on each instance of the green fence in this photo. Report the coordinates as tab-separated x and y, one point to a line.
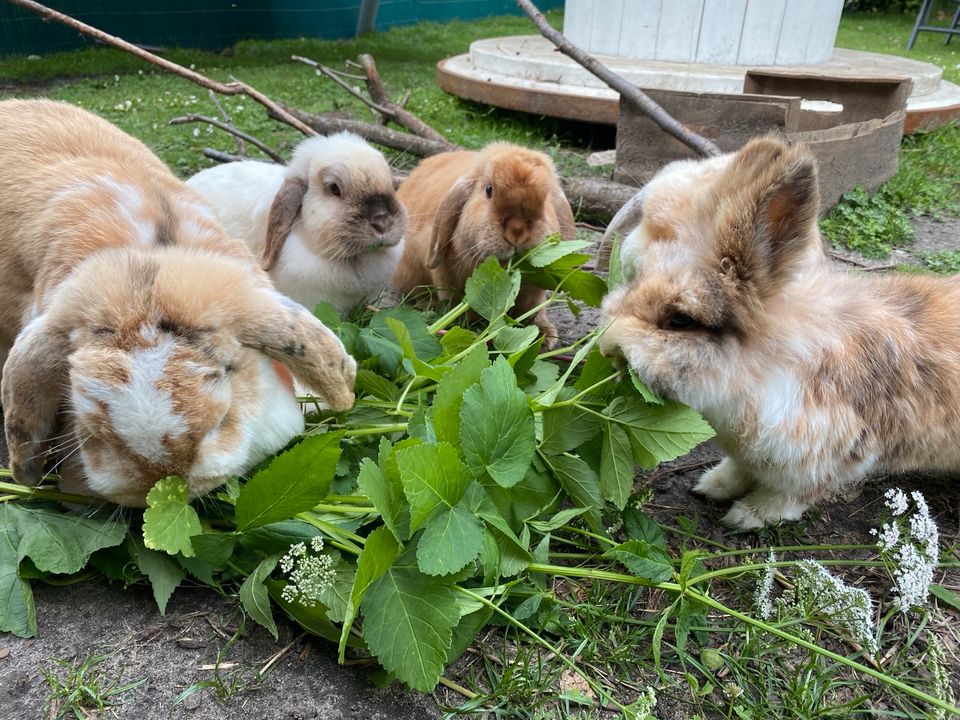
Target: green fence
217	24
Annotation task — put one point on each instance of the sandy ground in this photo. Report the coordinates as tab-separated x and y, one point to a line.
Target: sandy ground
174	652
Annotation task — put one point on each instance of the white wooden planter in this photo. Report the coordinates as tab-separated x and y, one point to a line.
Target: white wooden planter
717	32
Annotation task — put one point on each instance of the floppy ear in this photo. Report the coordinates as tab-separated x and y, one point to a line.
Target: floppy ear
448	217
285	331
627	218
561	206
283	214
33	382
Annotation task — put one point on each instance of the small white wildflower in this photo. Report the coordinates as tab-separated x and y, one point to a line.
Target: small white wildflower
310	575
910	546
732	690
847	608
239	109
193	66
644	705
196	132
116	78
897	501
762	598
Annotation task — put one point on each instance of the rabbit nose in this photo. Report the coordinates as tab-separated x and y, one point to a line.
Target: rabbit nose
515	231
380	222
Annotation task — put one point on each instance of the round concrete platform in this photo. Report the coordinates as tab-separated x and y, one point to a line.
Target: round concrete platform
526	72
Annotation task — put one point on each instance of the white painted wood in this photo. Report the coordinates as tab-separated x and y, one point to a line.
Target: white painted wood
729	32
640	23
720	29
761	32
677	31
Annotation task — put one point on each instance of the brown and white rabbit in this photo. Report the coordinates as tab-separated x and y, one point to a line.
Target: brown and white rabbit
467	206
131	318
813	376
327	226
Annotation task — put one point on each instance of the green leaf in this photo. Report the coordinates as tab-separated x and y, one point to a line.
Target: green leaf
18	613
418	366
255	598
213	547
450	540
162	570
449	396
616	465
378	554
433	477
491	291
497	428
294	482
565	274
646	393
658	634
643	560
380	341
596	368
408	621
663	432
640	526
169	520
582	485
369	383
946	595
561	518
387	497
60	542
456	340
328	314
336	596
567	427
511	340
553	249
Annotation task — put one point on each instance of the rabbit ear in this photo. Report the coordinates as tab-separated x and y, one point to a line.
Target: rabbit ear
561	206
783	210
32	386
627	218
284	330
283	214
448	217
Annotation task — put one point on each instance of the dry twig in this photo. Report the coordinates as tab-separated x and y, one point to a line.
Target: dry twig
233	130
232	88
628	91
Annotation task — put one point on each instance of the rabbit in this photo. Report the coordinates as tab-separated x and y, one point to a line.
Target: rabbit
327	226
131	321
466	206
813	377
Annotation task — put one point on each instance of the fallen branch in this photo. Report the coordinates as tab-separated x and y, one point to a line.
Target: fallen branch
596	196
379	101
235	87
241	144
232	130
628	91
221	157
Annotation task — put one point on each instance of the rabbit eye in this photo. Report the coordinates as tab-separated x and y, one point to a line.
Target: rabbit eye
681	321
334	189
489	191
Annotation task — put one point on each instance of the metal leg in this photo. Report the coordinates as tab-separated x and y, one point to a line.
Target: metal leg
953	24
921	20
368	16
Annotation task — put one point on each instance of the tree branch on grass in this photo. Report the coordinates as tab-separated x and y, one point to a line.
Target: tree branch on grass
628	91
232	88
232	130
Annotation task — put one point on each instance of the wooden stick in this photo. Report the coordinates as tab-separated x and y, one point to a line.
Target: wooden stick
241	143
628	91
233	130
222	157
232	88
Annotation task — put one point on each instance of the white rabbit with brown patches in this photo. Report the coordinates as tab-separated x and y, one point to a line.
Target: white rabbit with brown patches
813	376
131	320
467	206
327	227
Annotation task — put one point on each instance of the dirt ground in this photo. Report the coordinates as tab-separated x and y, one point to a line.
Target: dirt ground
174	652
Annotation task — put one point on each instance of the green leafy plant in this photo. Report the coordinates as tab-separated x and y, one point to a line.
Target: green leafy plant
82	689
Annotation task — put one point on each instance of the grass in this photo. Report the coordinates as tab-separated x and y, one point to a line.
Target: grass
82	689
628	639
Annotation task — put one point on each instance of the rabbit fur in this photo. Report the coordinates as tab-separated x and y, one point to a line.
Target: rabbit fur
327	226
465	206
812	376
130	320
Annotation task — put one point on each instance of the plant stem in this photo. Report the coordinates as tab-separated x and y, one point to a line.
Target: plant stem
451	315
784	549
587	533
345	509
377	430
339	538
720	607
456	687
42	493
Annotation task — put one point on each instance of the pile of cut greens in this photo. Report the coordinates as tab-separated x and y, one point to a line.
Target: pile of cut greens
436	497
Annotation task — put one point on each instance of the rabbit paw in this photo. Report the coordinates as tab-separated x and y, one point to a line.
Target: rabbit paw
723	481
761	508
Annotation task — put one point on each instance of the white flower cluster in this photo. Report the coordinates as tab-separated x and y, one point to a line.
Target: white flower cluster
310	575
850	609
643	706
763	597
911	546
